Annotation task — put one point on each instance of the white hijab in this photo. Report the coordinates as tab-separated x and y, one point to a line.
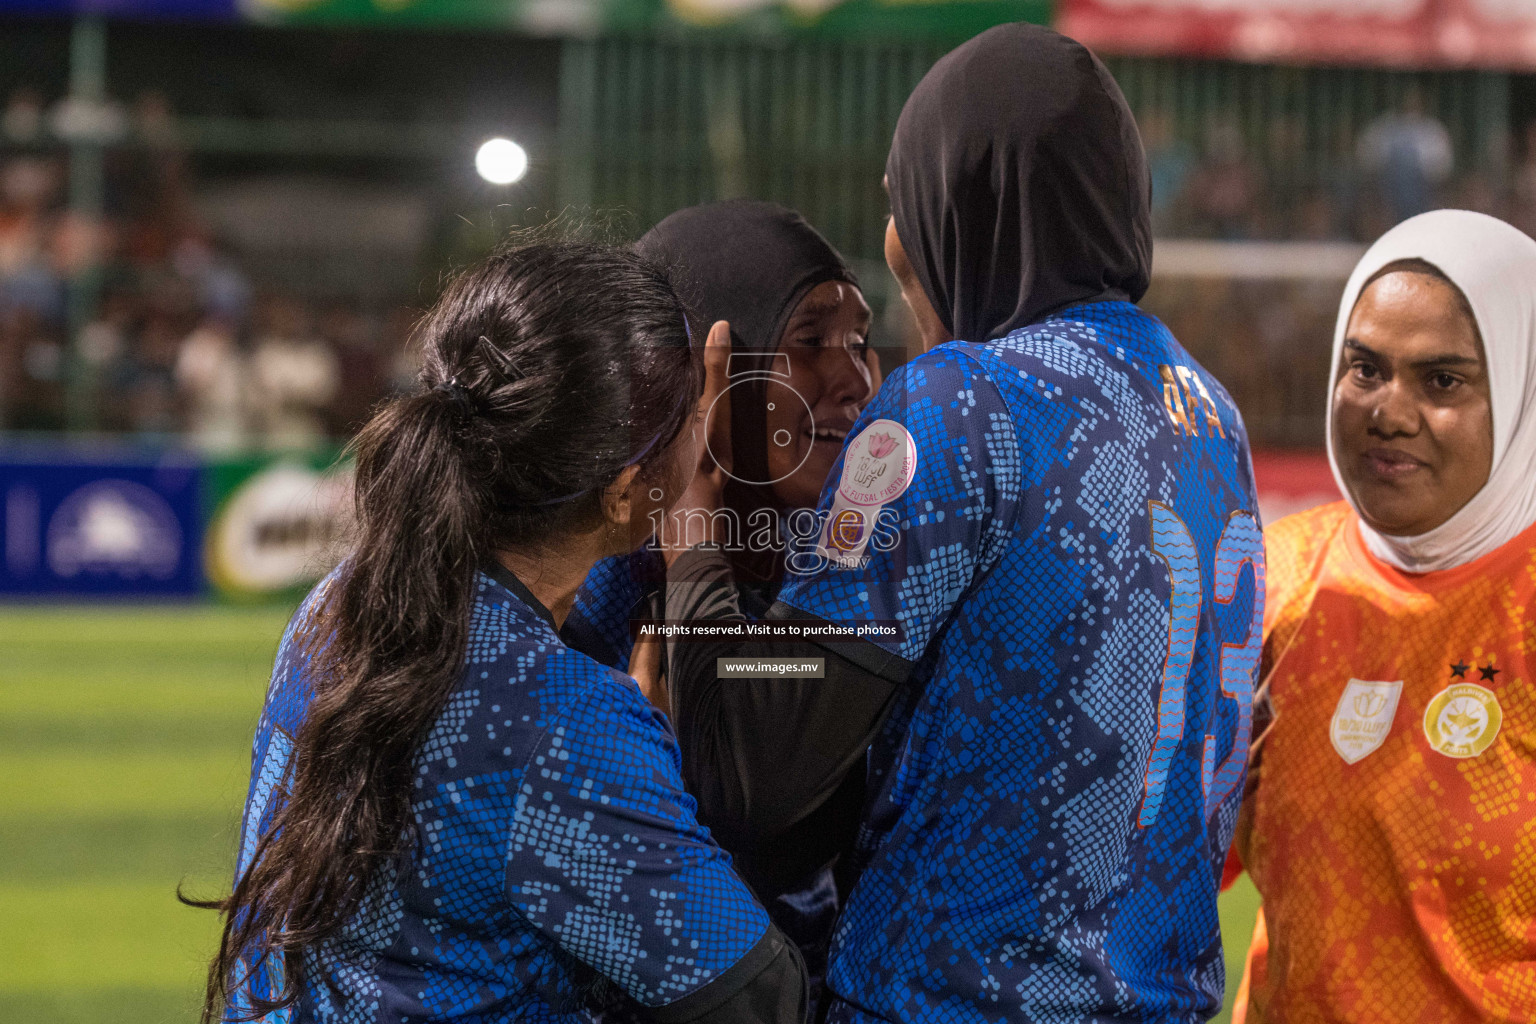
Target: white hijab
1494	265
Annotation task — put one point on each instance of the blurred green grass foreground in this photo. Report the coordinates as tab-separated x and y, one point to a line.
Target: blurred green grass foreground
124	756
125	752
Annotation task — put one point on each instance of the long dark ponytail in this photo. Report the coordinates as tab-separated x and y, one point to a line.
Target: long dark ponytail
546	370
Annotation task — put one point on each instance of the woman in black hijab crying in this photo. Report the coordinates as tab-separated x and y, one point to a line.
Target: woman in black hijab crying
800	371
800	367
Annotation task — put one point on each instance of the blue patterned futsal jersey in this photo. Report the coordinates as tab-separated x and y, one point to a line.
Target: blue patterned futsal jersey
616	588
1078	583
556	866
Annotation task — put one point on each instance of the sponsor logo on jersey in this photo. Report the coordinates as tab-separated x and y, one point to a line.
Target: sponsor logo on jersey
1364	717
1188	403
1463	720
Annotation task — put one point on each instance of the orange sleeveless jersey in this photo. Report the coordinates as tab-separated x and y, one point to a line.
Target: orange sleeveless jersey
1391	819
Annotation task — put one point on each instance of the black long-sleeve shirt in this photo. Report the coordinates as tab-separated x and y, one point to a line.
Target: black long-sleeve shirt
771	760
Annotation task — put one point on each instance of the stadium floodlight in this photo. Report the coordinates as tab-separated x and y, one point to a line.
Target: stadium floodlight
501	161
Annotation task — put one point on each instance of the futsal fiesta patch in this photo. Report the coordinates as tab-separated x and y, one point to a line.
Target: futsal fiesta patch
878	467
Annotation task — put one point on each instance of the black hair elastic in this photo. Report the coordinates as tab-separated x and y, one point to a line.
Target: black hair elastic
463	401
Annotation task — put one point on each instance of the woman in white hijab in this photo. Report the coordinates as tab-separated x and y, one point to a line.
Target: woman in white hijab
1390	823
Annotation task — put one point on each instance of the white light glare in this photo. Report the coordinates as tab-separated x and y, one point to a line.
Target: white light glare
501	161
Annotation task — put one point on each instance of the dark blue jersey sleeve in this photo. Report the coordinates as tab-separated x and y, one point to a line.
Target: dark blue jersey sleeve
917	508
614	591
606	856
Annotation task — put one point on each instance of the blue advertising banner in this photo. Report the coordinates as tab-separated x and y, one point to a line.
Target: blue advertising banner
100	526
220	10
955	19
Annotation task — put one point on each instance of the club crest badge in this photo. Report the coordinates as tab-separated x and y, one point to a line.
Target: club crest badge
846	531
1463	720
1364	717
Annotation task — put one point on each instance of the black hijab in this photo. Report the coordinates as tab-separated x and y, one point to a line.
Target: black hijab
750	263
1018	183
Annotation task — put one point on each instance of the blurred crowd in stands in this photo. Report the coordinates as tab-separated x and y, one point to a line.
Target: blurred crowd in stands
173	337
176	339
1352	187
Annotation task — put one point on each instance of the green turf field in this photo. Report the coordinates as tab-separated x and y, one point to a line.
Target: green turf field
125	746
125	742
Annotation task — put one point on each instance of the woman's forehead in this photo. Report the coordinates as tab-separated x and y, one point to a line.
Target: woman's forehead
1411	313
829	297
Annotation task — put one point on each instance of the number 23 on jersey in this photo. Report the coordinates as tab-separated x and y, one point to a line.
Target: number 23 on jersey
1241	543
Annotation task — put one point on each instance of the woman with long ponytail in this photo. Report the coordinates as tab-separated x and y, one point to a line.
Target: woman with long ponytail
453	816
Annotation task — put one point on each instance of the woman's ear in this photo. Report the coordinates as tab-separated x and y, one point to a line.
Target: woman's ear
619	497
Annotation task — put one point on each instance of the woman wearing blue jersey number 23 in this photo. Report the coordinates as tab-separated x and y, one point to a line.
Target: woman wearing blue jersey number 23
452	815
1077	587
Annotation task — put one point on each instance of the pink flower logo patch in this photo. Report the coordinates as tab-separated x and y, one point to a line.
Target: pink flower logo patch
879	465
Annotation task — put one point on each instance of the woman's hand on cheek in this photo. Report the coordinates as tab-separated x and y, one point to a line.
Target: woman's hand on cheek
714	419
692	520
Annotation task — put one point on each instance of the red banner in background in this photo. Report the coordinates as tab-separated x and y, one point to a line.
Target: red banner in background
1406	33
1488	33
1291	481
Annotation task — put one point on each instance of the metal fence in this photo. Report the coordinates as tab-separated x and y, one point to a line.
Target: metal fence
1304	119
649	125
